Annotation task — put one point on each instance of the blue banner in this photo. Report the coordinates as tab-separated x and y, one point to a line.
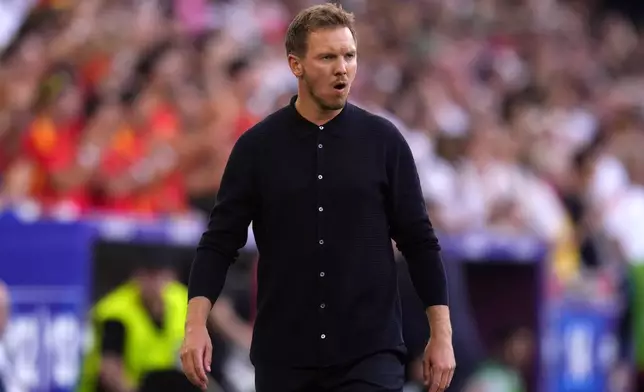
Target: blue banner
580	347
46	266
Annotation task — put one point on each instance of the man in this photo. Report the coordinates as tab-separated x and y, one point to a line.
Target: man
327	186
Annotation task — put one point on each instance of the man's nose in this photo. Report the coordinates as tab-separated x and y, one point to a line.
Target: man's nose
341	68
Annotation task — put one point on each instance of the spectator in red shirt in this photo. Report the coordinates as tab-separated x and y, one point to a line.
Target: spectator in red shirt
51	168
137	170
140	166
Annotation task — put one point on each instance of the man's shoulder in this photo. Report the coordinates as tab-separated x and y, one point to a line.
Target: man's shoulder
375	122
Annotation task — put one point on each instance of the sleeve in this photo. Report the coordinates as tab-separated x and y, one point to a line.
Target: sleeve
113	338
410	225
227	230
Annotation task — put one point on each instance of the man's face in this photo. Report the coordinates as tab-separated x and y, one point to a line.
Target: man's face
329	66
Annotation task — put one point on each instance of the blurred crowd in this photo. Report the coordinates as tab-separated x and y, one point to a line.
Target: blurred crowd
523	115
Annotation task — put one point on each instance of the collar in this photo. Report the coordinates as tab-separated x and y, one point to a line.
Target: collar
332	127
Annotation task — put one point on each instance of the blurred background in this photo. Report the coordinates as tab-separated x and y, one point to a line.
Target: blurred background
526	118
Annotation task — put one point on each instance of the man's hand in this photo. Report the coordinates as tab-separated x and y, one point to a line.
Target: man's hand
438	361
196	351
196	355
438	364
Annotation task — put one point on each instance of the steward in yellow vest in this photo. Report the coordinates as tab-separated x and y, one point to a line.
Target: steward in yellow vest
137	330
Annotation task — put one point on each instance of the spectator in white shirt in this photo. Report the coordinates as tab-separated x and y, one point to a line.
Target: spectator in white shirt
624	219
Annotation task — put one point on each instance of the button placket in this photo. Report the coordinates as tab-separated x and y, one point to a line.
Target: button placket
320	169
320	226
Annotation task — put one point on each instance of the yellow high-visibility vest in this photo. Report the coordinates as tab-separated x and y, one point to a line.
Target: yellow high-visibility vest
147	347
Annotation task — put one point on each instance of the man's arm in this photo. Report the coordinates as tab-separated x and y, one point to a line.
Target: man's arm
412	230
218	248
112	348
415	238
227	231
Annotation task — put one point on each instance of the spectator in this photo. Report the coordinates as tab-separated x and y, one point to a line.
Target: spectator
502	373
137	330
51	170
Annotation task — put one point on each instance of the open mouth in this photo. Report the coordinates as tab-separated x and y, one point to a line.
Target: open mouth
340	86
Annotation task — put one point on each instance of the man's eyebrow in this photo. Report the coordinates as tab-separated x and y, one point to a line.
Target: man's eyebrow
335	53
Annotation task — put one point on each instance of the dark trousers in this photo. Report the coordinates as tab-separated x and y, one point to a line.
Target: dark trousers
380	372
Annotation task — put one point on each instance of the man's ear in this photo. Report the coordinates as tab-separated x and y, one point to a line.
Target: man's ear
296	65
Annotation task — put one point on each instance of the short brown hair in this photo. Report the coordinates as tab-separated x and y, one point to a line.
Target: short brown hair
317	17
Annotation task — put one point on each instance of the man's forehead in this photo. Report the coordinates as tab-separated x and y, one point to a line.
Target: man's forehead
332	39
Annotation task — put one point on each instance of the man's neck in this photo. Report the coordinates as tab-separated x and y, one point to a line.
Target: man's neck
312	112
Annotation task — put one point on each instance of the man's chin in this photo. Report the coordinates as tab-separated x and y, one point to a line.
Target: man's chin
335	104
